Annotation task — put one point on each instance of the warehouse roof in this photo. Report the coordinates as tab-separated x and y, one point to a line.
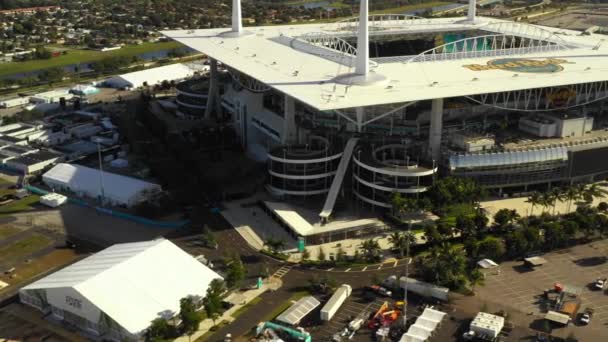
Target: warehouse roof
124	281
81	178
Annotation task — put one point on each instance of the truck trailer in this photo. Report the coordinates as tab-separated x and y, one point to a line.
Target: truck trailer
335	302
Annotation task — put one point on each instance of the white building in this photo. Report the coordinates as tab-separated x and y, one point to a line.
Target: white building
88	182
154	76
33	162
560	126
53	96
116	293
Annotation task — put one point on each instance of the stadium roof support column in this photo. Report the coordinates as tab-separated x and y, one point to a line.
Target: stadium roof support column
289	124
362	63
213	97
237	20
435	130
472	10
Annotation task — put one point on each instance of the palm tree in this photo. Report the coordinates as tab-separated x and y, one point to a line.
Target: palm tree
594	191
556	195
571	194
371	249
397	239
534	199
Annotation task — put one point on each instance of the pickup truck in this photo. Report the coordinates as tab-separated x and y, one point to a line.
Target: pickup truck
601	283
586	316
381	290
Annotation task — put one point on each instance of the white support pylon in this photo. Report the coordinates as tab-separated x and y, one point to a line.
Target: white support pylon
237	20
472	10
362	61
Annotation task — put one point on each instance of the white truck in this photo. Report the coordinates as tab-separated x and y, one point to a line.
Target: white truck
600	283
335	302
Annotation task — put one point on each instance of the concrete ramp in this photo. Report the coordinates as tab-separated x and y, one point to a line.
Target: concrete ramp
336	184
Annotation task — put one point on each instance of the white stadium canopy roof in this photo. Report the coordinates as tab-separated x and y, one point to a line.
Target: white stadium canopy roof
134	282
116	188
155	76
283	57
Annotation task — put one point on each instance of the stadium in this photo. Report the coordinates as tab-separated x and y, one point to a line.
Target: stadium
378	104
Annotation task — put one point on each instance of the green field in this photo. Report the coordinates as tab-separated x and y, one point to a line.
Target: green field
8	231
406	8
22	248
83	56
19	205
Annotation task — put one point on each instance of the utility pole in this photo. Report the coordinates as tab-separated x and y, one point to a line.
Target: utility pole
102	195
407	272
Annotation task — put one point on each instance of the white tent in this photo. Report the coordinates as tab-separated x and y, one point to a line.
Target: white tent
487	263
153	76
433	315
121	289
85	181
299	310
426	323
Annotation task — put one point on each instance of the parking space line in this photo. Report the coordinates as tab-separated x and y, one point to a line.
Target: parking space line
346	270
364	268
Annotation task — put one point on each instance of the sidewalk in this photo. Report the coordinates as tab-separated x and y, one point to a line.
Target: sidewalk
243	297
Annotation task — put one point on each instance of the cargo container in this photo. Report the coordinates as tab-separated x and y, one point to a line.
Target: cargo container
335	302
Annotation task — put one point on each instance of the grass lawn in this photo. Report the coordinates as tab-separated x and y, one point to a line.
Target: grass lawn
23	247
453	211
44	264
19	205
246	307
402	9
8	231
83	56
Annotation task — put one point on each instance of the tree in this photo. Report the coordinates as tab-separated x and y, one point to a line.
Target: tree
213	299
466	226
275	245
481	220
555	237
398	241
451	190
160	330
321	256
602	206
534	199
189	316
236	272
432	235
593	192
571	194
371	249
505	217
492	248
475	278
443	265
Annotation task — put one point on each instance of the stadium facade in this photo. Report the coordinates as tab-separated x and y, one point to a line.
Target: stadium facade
387	103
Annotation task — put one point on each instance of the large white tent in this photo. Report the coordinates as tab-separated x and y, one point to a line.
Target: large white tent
117	292
151	77
86	181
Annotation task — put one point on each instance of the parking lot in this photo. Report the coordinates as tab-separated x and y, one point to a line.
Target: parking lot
521	288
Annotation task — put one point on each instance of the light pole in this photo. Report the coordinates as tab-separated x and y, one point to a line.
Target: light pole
101	193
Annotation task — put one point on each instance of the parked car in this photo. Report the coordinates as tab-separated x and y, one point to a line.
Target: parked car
586	316
381	290
600	283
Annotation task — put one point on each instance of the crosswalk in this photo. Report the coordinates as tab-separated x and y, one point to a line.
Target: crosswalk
281	272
